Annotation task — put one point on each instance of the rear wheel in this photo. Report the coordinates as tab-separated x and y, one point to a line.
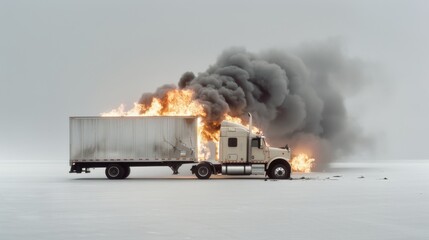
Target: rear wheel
279	171
115	171
203	171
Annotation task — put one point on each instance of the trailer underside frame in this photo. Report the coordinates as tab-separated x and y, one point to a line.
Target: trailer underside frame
79	167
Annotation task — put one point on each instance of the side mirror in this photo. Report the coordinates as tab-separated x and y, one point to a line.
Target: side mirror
287	147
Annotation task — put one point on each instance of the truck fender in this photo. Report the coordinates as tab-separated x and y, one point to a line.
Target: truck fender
277	160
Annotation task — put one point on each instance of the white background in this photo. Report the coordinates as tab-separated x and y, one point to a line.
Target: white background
65	58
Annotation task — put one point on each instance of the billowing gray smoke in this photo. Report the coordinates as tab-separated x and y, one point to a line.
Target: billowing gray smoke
295	98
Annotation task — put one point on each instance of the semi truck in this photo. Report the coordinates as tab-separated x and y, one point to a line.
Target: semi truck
119	143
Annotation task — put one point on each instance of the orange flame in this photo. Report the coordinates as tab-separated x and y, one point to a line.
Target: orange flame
302	163
175	103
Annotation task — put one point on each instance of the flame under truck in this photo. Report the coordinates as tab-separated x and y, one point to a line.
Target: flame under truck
119	143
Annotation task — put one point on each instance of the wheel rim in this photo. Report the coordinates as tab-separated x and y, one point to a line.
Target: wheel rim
279	172
113	171
203	171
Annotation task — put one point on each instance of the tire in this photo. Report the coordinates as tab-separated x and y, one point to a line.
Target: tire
115	171
203	171
279	171
127	172
269	173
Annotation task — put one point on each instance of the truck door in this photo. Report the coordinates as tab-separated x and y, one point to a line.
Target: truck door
258	150
233	149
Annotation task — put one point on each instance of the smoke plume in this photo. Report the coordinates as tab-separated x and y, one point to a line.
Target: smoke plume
296	98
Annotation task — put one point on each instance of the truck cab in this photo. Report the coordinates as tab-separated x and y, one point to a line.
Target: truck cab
233	145
242	152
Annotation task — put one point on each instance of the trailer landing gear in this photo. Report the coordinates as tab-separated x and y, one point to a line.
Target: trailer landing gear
175	168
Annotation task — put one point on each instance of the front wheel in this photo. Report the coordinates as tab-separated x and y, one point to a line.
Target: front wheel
203	171
279	171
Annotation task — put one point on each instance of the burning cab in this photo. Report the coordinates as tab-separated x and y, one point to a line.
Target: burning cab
243	152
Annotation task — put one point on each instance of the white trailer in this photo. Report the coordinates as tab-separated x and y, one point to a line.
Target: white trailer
118	143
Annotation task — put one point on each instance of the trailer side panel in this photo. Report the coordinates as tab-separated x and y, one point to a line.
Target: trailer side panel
103	139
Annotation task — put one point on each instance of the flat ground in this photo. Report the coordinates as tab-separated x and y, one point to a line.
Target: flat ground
350	201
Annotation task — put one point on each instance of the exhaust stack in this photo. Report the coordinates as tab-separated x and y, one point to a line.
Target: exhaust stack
249	142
